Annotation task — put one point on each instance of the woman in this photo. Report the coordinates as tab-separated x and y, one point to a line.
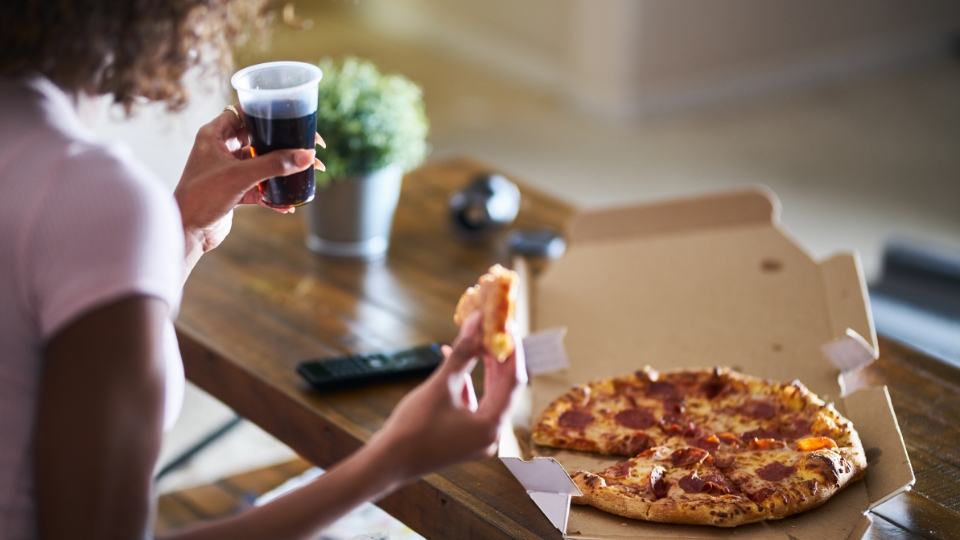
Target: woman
93	255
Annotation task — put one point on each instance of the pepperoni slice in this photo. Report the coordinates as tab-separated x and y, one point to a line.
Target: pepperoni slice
761	494
760	410
638	418
725	462
729	439
689	456
658	485
620	470
633	445
797	428
775	471
766	444
721	482
815	443
761	433
691	483
710	443
674	405
713	483
661	389
712	389
574	419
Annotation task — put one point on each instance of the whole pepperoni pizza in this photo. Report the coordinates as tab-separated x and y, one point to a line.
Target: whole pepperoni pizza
704	446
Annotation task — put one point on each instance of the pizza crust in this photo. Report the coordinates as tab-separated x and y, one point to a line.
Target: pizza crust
495	296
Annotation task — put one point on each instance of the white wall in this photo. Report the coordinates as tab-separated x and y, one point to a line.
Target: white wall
160	139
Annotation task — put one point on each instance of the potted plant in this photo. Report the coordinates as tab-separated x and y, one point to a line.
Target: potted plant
375	130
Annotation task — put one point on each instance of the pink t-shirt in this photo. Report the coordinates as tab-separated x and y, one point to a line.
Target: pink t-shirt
81	224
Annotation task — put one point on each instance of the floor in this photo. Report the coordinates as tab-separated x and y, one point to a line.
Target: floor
238	492
854	163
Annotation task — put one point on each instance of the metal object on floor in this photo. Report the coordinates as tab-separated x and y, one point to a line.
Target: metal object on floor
189	453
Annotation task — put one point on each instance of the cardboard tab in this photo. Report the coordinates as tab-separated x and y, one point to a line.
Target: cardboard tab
544	351
848	303
753	206
548	485
849	353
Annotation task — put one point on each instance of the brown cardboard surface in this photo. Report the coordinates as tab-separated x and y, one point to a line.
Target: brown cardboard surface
732	208
704	282
847	300
741	296
868	410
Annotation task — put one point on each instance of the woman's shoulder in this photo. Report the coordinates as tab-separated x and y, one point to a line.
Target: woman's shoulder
113	173
47	152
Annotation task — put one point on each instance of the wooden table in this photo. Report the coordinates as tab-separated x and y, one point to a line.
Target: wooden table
261	303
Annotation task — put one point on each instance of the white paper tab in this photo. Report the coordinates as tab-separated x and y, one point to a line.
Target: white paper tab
548	485
849	353
544	351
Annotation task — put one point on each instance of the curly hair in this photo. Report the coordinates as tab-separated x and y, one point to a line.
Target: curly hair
132	49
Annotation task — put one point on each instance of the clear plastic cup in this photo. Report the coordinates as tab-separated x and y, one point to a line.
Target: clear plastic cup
279	101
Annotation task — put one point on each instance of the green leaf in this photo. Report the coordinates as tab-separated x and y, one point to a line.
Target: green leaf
368	120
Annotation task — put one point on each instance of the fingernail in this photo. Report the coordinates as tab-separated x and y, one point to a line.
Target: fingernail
320	141
292	210
319	164
304	157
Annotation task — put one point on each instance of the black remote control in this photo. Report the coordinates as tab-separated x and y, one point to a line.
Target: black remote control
360	369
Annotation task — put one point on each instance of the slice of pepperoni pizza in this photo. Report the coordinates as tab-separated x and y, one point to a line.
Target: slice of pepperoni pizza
682	485
495	296
779	445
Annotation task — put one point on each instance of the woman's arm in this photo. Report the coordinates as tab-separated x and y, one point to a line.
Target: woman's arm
438	424
99	422
100	416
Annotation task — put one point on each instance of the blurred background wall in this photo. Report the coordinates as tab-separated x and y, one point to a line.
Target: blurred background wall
629	58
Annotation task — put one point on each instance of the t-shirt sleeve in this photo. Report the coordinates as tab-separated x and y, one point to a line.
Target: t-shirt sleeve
106	229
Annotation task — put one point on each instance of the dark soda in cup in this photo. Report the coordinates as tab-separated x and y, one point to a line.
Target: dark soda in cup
269	134
279	102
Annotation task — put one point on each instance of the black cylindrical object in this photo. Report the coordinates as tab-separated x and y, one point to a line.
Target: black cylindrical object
487	204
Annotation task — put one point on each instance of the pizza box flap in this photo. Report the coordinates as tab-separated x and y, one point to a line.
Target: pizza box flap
713	280
882	442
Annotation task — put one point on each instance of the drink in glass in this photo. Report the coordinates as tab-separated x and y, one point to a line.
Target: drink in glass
279	101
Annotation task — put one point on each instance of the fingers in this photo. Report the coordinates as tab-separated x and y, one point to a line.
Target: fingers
249	172
501	381
226	126
467	345
233	121
252	196
243	134
247	152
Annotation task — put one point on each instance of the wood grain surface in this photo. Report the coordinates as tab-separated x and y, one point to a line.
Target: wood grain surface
261	303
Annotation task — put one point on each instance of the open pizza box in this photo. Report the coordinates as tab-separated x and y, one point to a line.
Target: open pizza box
708	281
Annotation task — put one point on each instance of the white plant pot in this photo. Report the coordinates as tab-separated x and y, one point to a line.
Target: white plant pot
352	217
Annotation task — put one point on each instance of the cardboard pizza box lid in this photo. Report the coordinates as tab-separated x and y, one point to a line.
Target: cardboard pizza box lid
714	280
